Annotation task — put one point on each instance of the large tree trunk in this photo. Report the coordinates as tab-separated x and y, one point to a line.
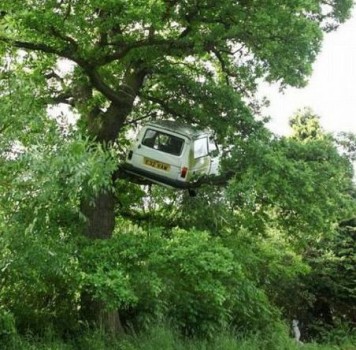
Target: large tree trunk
100	215
99	211
110	320
104	127
95	313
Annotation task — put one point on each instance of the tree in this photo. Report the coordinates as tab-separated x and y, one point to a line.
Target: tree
196	61
190	60
306	125
332	281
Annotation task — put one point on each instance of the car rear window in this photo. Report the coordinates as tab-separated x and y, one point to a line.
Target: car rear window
163	142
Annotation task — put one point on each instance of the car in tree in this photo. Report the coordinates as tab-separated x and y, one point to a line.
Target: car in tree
173	154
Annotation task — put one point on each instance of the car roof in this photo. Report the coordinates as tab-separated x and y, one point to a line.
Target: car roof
178	128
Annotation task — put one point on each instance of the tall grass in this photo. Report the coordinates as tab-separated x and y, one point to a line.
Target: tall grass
164	338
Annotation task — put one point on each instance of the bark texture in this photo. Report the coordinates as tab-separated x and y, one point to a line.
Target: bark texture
100	214
104	127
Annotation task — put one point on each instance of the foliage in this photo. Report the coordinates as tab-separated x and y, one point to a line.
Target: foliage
306	126
7	328
194	61
146	275
151	277
39	281
304	187
230	257
165	337
40	191
247	269
332	282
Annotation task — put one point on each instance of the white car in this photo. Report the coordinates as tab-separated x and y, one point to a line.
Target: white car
173	154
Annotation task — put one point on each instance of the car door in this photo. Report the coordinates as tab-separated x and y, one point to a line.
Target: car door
214	157
201	161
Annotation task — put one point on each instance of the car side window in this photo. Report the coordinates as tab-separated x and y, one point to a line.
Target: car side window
163	142
213	148
200	148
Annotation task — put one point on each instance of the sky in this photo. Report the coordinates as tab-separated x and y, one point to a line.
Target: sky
331	91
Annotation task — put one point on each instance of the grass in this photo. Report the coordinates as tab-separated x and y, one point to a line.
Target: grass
163	338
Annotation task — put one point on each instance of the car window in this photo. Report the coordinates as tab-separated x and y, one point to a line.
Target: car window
163	142
212	145
213	148
200	148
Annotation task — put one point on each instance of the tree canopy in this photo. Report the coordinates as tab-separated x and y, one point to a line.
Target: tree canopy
197	61
192	60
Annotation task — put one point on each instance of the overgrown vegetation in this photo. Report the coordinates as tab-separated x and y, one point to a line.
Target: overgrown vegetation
91	260
206	265
163	337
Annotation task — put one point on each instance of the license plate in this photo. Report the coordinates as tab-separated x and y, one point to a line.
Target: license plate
157	165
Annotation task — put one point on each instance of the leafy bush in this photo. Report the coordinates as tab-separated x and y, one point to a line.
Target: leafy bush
39	282
188	277
7	328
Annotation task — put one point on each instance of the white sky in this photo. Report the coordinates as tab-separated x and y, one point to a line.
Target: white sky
331	91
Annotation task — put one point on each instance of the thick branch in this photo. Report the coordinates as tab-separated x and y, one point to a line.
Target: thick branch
53	75
213	180
101	86
105	126
167	46
65	53
129	88
65	38
65	98
30	46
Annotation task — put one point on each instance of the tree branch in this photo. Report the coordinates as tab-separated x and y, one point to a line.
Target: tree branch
134	121
65	53
169	45
90	69
212	180
66	38
100	85
30	46
164	105
125	94
65	98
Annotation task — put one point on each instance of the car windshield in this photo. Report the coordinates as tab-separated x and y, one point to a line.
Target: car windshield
163	142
